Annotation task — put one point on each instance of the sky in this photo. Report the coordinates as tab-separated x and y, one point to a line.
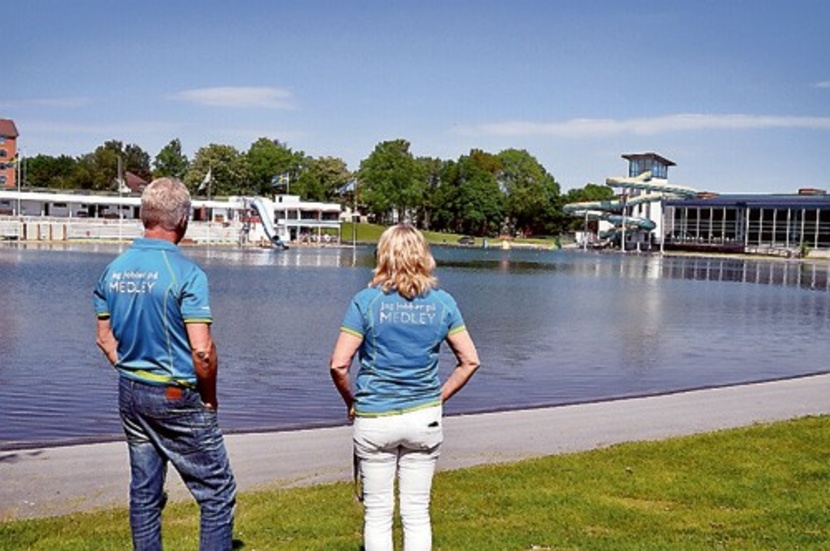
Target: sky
735	92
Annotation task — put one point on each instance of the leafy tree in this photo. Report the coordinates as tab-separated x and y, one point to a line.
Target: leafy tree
170	161
99	170
137	161
267	159
531	193
468	199
50	172
228	169
323	179
391	181
431	168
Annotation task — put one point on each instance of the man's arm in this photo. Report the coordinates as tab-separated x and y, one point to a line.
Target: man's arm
106	340
205	361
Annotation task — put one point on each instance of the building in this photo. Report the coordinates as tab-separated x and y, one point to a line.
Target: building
782	224
63	216
8	154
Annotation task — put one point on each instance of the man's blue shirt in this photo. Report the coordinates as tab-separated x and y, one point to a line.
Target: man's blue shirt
149	293
399	353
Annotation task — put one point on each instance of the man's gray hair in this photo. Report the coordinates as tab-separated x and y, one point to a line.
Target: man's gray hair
165	203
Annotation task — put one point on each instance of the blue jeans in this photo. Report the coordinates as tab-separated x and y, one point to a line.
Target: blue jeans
173	425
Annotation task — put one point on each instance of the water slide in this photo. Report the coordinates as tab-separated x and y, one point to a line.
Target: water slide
612	210
265	210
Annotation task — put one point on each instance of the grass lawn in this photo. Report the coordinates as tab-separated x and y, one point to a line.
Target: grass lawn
370	233
762	487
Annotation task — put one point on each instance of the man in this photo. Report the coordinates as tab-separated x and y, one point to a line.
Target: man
154	327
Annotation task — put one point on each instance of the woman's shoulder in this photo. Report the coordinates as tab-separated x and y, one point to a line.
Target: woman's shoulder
440	295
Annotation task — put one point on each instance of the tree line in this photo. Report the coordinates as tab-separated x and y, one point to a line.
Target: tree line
479	194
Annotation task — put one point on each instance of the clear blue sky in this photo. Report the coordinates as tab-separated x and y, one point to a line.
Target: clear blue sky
736	92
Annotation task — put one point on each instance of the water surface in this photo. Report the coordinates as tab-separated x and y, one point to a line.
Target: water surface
552	327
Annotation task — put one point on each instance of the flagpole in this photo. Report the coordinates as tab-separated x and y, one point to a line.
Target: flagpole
207	210
120	209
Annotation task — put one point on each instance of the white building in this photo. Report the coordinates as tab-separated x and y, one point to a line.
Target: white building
61	216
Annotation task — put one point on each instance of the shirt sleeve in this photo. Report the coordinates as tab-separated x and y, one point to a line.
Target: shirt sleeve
353	320
195	300
99	298
455	321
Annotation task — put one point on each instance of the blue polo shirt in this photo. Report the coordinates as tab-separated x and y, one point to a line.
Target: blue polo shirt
399	354
149	293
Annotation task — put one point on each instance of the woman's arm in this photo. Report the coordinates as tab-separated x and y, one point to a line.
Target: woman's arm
465	351
341	360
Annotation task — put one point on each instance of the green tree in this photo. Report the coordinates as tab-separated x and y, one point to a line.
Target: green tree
228	170
431	169
323	179
99	170
268	159
170	161
50	172
137	161
532	195
391	181
468	199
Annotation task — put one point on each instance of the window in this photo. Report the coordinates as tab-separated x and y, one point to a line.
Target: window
3	153
2	180
2	140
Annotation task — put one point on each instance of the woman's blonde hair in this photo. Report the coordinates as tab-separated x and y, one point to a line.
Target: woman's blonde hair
404	263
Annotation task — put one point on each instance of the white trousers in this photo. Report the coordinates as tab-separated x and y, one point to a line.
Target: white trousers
407	444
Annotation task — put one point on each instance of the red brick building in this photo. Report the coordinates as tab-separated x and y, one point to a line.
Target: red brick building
8	154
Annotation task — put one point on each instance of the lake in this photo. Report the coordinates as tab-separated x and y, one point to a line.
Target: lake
552	327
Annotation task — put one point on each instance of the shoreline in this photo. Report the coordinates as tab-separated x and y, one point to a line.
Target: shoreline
48	482
24	446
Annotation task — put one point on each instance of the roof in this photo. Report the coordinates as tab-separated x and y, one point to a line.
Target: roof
639	156
8	129
767	201
134	182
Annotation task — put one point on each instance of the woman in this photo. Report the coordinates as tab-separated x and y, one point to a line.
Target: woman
398	324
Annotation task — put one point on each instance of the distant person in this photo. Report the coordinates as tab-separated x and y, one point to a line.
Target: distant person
154	327
398	324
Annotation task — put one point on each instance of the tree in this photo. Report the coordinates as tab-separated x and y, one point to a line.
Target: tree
99	170
267	160
323	179
50	172
431	168
468	199
532	195
391	181
170	161
137	161
228	168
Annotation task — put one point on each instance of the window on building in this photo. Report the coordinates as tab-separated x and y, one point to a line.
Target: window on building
2	180
3	153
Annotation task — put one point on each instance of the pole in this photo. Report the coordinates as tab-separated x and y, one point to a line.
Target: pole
355	218
622	236
120	210
585	232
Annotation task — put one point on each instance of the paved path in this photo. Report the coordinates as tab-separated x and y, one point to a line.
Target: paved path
53	481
